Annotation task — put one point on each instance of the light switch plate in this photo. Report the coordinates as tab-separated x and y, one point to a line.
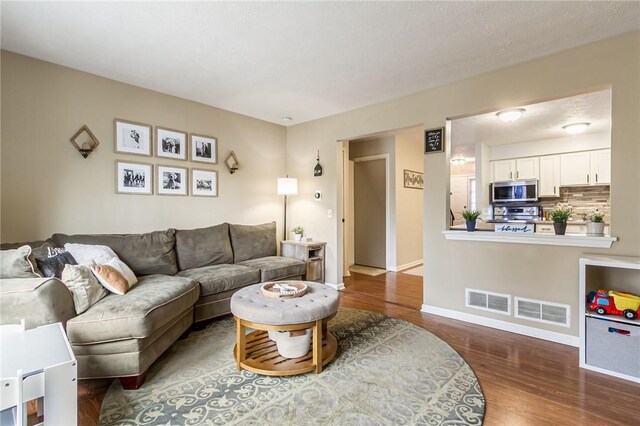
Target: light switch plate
329	214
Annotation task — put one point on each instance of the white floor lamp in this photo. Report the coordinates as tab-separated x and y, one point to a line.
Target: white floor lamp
287	186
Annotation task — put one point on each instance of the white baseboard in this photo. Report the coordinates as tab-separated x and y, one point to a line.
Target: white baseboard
339	286
405	266
551	336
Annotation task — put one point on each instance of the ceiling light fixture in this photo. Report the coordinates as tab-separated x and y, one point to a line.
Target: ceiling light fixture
576	128
286	118
458	161
509	115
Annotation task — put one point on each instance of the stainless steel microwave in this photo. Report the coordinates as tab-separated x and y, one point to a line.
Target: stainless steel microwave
514	191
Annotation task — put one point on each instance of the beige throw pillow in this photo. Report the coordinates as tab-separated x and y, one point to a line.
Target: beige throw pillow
111	279
17	263
84	287
112	274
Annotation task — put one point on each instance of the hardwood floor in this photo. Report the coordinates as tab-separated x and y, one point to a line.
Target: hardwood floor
525	381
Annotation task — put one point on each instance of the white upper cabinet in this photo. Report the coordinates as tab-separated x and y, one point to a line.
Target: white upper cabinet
549	185
503	170
527	168
601	167
586	168
575	168
520	168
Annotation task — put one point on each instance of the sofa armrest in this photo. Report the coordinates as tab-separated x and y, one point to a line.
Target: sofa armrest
39	301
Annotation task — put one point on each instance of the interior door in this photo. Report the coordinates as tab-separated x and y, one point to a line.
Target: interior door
459	197
370	195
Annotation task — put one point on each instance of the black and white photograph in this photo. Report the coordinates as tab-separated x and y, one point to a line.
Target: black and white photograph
172	180
134	178
131	137
204	148
171	143
204	183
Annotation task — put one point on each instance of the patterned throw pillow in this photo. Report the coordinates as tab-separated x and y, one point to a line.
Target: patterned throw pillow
52	260
84	287
17	263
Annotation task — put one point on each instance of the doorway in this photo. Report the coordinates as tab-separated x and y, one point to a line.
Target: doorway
370	211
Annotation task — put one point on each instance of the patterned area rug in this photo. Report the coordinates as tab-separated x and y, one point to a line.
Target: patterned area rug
387	371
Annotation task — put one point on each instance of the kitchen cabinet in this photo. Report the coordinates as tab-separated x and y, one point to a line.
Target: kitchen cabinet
503	170
575	168
600	167
519	168
549	185
586	168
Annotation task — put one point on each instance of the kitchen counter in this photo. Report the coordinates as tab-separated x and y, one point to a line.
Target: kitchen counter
570	222
480	226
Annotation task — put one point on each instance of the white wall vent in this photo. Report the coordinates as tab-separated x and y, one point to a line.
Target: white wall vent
488	301
541	311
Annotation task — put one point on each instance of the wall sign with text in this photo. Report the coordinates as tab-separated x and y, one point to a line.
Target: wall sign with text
434	140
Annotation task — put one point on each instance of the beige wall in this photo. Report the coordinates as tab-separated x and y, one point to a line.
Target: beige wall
540	272
409	210
48	187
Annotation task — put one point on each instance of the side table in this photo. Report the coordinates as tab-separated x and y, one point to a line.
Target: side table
311	252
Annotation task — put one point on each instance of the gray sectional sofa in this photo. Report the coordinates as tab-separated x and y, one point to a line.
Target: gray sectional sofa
184	277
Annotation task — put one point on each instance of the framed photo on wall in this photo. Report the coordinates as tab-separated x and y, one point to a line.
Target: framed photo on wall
171	143
203	148
134	178
413	179
434	140
172	180
204	183
131	137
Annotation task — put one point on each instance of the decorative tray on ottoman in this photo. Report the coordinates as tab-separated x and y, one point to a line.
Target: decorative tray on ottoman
283	289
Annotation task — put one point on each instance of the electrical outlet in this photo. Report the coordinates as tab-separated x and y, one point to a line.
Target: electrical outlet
329	214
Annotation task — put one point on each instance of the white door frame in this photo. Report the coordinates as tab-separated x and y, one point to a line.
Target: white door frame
390	255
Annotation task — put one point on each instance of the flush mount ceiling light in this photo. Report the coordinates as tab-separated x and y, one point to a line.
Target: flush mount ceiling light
458	161
286	118
509	115
576	128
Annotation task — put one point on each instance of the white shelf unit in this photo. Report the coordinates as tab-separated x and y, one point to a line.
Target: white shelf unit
620	273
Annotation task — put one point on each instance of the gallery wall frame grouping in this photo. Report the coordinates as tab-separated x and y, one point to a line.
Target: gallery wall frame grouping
139	178
131	137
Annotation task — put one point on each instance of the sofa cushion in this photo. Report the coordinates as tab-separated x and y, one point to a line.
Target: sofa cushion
253	241
276	267
203	247
150	304
145	254
218	278
17	263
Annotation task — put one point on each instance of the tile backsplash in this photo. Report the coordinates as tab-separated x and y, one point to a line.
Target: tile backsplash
582	199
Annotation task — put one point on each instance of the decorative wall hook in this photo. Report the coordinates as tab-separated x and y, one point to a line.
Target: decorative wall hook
85	141
232	162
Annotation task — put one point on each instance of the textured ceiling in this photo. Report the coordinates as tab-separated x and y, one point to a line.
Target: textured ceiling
540	121
303	59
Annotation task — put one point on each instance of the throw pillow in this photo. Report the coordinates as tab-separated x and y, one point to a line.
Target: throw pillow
83	285
122	269
52	260
86	254
17	263
111	279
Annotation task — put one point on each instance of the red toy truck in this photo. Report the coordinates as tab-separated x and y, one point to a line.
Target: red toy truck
614	303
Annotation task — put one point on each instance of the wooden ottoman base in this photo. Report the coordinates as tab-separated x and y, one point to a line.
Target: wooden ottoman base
257	353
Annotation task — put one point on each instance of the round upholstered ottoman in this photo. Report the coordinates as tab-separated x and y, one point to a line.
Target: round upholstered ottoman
256	352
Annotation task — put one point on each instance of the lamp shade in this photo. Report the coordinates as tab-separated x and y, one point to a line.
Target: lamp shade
287	186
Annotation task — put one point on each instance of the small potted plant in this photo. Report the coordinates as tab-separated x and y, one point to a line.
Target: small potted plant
560	215
297	232
470	217
595	225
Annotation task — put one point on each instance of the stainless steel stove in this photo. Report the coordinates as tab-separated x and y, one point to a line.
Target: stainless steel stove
523	213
